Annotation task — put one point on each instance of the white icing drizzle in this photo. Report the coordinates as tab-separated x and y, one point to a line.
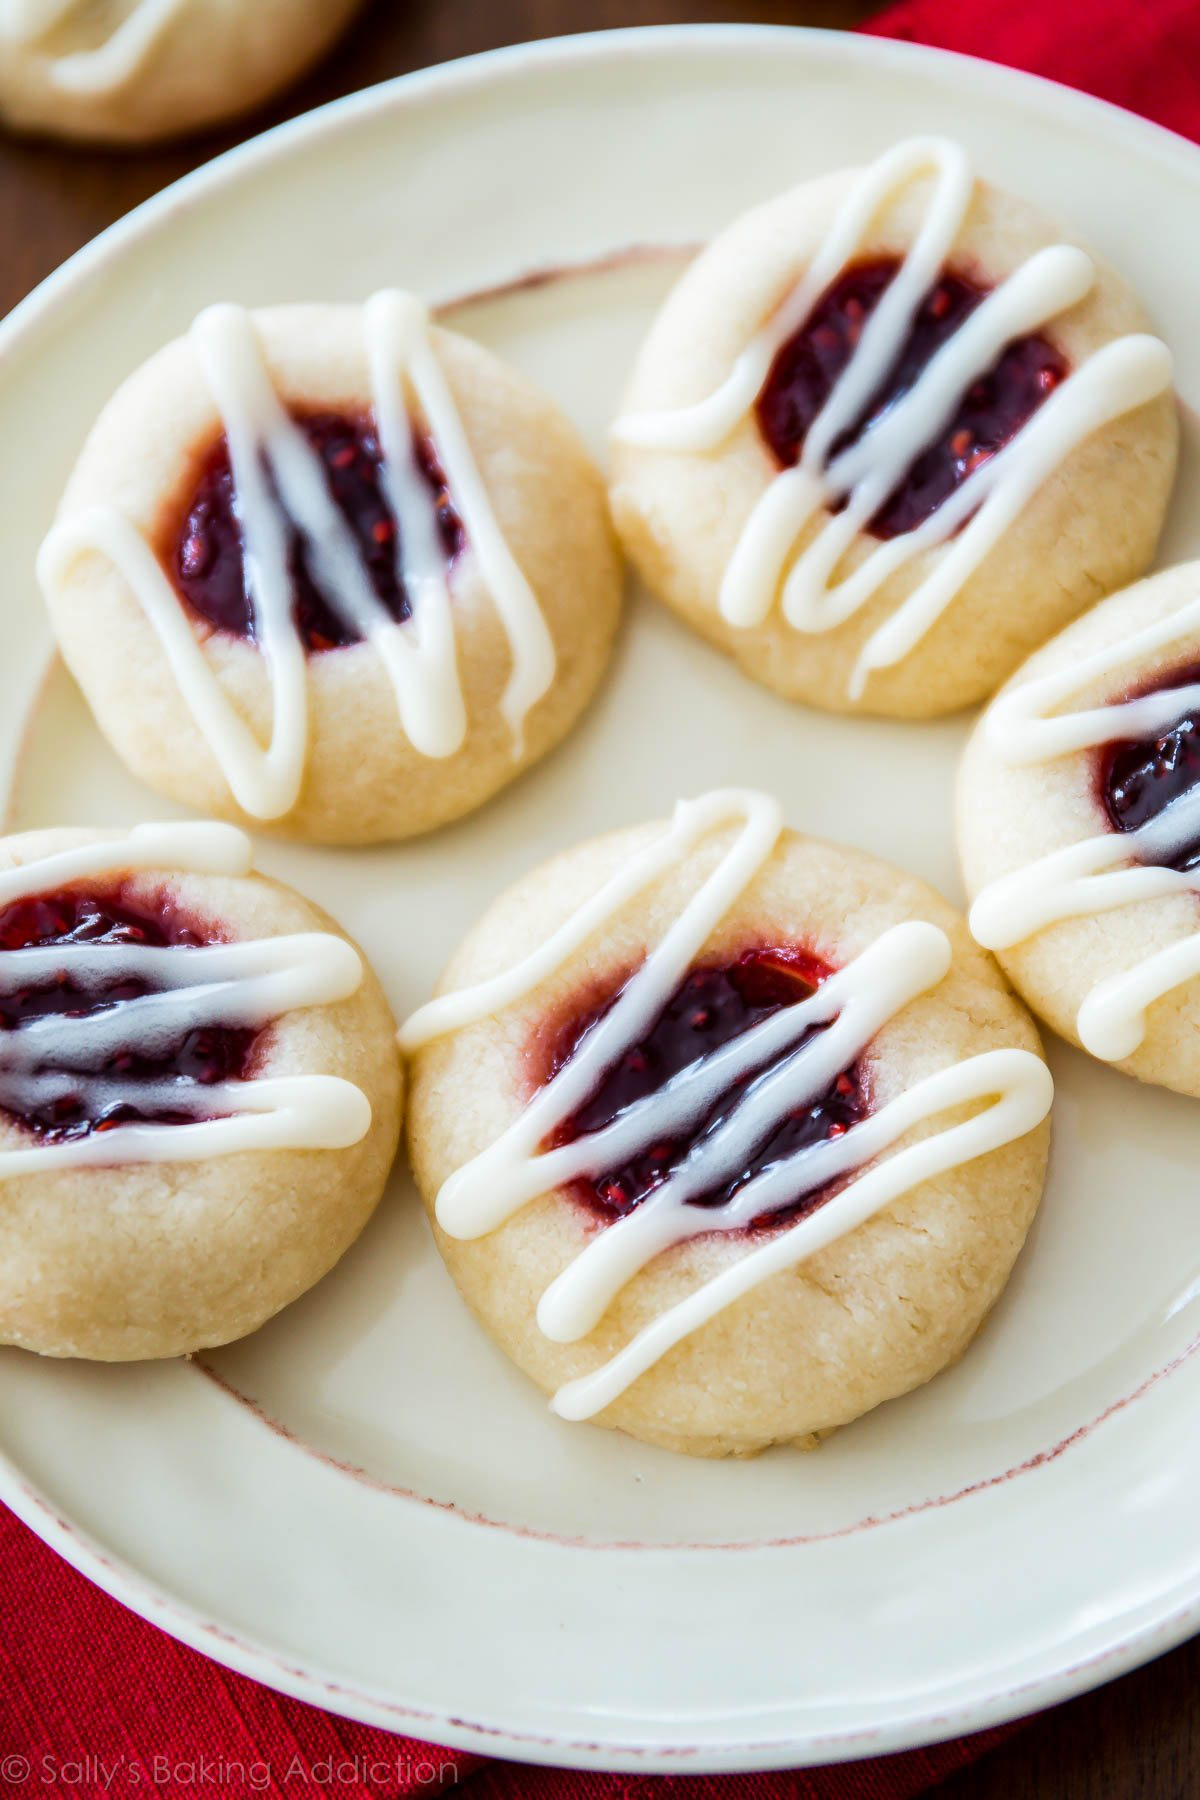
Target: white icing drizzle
242	984
852	1005
1100	873
266	446
1119	377
111	64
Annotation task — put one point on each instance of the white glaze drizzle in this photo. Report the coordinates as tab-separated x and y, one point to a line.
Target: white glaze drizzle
266	444
241	984
1119	377
852	1005
1100	873
101	70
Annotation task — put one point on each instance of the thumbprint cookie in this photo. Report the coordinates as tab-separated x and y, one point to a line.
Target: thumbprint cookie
199	1092
135	71
727	1134
1079	829
889	433
333	570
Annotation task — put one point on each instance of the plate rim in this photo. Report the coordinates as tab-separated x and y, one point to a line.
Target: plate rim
120	1579
462	73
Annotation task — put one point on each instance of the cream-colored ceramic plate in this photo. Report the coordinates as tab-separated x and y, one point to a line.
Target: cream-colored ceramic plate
365	1505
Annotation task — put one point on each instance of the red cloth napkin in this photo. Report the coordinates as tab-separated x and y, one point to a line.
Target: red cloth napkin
1141	54
94	1701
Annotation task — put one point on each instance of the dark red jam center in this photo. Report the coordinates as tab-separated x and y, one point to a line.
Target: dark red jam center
205	555
1138	780
199	1056
990	413
712	1005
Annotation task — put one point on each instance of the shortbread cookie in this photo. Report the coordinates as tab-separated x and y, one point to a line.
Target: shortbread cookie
132	71
199	1092
1079	827
889	432
331	569
727	1135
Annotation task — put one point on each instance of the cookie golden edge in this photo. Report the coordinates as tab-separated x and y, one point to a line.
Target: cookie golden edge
130	1262
1092	527
1006	817
202	70
365	782
870	1318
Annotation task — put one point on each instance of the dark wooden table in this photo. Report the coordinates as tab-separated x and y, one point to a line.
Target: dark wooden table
1138	1739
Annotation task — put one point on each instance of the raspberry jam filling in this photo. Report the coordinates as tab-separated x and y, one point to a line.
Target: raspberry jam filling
39	1097
990	413
1138	780
204	551
712	1005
